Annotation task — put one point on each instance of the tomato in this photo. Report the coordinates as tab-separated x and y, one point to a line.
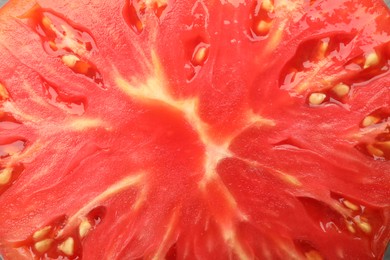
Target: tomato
162	129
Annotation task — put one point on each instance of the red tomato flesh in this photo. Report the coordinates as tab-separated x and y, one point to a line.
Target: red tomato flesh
162	129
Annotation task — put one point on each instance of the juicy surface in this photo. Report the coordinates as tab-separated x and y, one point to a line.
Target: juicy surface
194	129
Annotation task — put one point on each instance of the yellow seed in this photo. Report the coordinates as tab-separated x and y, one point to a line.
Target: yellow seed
350	205
53	46
46	22
372	59
3	92
370	120
139	26
200	55
267	5
351	228
263	27
385	145
364	226
313	255
67	247
322	49
70	60
84	228
158	3
324	46
42	233
375	151
5	176
43	246
341	89
317	98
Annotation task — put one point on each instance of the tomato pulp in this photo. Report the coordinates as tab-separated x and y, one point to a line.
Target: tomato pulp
226	129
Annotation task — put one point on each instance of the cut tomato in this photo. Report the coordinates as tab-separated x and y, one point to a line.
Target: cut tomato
161	129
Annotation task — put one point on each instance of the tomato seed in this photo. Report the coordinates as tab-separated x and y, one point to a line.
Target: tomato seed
317	98
267	5
350	205
370	120
84	228
3	92
46	22
372	59
375	151
263	27
351	228
341	89
67	247
70	60
42	233
44	245
200	55
5	176
364	226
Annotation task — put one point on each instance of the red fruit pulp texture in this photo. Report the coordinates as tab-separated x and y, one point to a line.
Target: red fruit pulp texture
161	129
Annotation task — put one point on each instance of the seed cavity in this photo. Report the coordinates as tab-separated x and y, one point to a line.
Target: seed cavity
63	39
10	149
261	16
376	142
366	66
312	66
42	233
197	51
84	68
8	122
74	105
59	35
131	14
196	40
357	220
381	115
134	12
67	247
322	214
44	245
